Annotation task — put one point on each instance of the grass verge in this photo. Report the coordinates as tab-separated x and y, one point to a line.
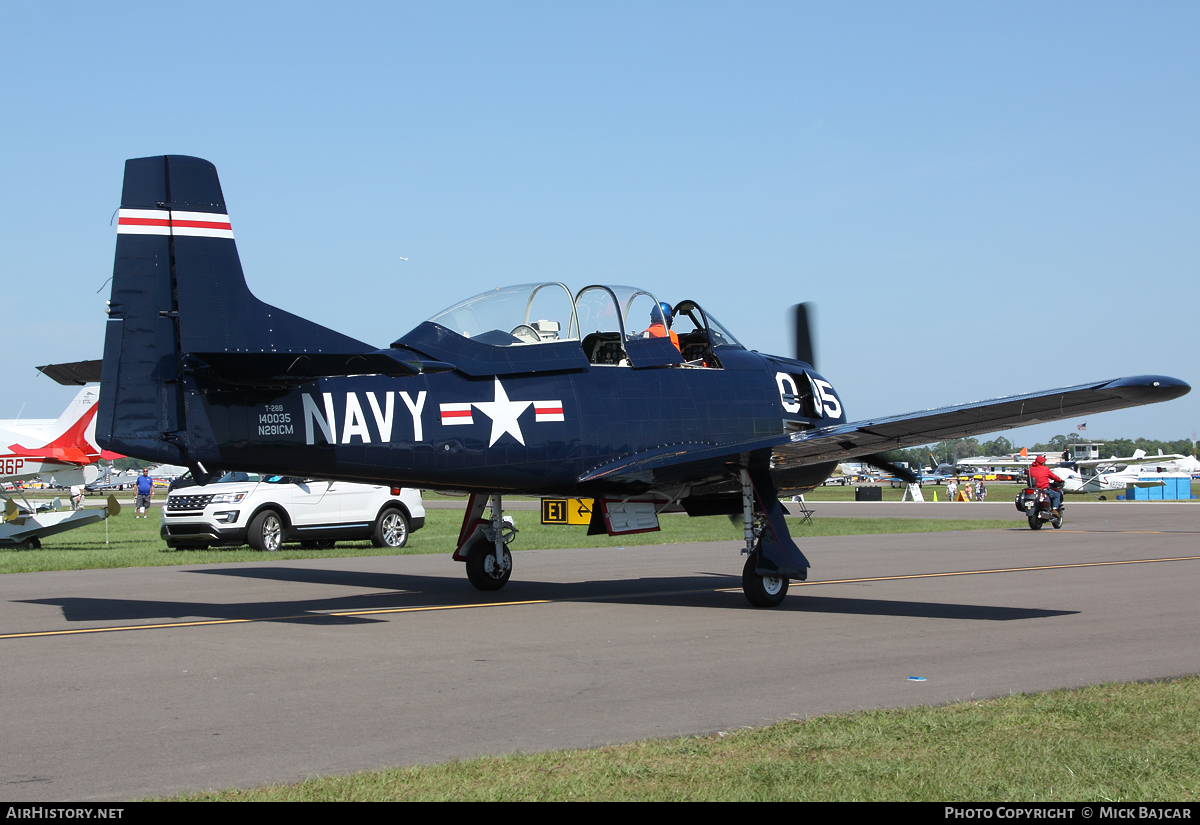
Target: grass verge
1108	743
136	543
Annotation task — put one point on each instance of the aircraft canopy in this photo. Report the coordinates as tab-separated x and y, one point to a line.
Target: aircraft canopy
547	312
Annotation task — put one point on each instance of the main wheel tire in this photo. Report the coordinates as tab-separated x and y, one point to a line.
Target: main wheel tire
391	529
266	532
481	566
762	591
1035	523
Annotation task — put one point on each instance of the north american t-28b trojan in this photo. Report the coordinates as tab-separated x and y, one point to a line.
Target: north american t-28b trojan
535	390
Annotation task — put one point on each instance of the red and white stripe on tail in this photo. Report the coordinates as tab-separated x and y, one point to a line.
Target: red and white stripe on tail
169	222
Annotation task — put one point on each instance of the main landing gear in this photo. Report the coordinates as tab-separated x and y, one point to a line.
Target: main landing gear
772	558
762	591
483	543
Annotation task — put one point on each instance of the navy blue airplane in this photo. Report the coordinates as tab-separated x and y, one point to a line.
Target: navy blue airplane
531	390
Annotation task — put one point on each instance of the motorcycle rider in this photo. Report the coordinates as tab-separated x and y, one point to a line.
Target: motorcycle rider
1040	477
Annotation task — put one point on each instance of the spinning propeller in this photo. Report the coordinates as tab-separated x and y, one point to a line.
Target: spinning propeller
804	323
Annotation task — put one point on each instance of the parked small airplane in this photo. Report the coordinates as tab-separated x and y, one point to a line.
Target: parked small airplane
63	449
26	525
1011	467
534	389
1098	475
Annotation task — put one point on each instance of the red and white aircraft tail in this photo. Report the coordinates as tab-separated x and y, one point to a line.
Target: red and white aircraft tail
61	447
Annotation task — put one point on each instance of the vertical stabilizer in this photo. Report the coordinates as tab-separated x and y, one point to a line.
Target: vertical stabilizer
72	420
67	439
178	293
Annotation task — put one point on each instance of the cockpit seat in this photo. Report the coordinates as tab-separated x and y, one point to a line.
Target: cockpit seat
546	330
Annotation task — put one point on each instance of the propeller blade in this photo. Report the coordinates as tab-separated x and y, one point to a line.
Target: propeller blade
804	323
902	473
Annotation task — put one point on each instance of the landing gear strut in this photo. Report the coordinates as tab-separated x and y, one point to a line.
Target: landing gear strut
483	543
772	558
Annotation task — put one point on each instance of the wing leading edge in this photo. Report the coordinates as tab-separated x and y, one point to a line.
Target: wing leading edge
860	438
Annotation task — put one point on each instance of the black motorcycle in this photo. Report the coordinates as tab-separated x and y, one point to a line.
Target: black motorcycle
1035	504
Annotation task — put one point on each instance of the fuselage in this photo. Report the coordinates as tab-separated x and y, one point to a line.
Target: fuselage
515	433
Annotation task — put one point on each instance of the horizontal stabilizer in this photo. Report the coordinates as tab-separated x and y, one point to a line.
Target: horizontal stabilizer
75	374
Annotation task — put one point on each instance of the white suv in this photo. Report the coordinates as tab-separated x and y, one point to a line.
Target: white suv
266	511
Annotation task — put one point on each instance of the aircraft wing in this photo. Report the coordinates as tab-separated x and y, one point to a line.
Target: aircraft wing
898	432
843	442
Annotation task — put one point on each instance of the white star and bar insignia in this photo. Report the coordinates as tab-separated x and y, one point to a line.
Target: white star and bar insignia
503	413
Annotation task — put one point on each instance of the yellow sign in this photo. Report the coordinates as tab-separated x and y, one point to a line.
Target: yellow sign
566	511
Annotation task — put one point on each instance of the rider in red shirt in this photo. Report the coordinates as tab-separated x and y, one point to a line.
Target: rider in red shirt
1040	476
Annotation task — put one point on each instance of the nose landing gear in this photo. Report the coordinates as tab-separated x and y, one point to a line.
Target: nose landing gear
772	558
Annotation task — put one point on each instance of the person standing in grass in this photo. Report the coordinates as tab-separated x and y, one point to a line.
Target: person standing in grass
145	492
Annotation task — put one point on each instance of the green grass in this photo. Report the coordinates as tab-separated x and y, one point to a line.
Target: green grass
1109	743
136	543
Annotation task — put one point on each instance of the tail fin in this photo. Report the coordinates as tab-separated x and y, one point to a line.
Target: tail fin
178	294
68	437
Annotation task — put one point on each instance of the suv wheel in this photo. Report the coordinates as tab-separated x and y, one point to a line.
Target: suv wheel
266	531
391	529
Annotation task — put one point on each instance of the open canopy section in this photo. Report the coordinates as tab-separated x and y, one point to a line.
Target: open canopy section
544	326
522	314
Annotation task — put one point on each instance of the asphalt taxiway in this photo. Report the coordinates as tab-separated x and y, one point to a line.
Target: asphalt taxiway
128	683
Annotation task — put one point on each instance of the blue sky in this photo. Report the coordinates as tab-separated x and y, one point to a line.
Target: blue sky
947	181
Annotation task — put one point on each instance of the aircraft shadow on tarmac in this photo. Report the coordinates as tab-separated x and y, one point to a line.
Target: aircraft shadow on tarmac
398	592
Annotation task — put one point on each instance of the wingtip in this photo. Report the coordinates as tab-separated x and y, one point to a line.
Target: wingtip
1150	388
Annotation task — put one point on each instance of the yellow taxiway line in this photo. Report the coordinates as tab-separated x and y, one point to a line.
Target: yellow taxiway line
427	608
